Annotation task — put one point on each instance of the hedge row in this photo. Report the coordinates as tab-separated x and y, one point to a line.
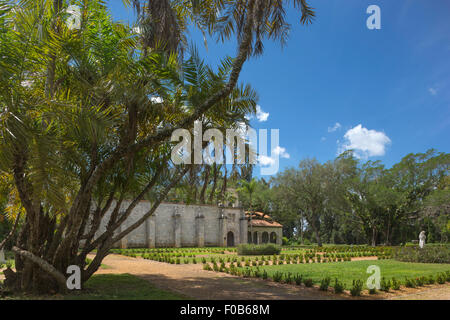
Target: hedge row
255	249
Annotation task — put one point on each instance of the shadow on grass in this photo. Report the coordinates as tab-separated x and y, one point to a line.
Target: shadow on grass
110	287
121	287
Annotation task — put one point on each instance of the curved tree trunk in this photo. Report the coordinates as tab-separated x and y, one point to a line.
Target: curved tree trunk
48	244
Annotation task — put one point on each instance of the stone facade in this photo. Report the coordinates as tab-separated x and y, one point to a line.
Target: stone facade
181	225
263	235
263	229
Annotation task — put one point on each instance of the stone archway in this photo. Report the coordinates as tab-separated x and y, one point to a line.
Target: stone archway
255	237
230	239
265	237
273	237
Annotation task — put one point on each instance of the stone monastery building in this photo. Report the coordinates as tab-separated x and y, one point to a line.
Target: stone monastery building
181	225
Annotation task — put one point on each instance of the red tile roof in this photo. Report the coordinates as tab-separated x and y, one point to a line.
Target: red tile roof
260	219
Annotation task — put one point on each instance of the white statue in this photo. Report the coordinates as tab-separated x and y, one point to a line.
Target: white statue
422	238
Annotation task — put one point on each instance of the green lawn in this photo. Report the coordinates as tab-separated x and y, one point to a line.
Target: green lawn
112	287
121	287
347	271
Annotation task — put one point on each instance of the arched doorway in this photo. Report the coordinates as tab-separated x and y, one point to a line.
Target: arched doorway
230	239
249	237
273	237
265	237
255	237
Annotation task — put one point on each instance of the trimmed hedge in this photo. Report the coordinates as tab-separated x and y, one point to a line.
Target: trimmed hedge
429	254
257	249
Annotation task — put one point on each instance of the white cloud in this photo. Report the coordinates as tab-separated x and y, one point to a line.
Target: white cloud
155	99
335	127
261	115
265	160
432	91
366	143
281	152
277	152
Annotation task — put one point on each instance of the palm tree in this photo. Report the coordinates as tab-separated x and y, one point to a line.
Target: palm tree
248	188
78	125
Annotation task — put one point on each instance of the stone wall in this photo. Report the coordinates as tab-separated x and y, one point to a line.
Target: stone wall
278	231
181	225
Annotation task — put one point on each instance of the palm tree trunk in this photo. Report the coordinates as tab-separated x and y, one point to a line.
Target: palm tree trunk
213	189
205	184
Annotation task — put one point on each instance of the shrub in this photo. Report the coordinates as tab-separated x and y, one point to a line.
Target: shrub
285	241
385	285
431	280
308	282
264	275
420	281
288	278
338	286
410	283
441	278
253	250
395	284
298	279
277	276
325	283
373	291
207	267
429	254
246	272
356	288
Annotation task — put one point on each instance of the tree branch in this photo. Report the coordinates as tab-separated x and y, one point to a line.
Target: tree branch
16	222
44	265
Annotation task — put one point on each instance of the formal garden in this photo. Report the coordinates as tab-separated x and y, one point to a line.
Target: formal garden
90	120
337	269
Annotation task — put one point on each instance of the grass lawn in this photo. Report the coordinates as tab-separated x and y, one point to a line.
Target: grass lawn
121	287
349	270
112	287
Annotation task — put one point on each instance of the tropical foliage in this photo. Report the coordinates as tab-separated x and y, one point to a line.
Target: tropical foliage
86	115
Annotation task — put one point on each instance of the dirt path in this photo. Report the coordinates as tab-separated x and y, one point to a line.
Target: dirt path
191	280
435	292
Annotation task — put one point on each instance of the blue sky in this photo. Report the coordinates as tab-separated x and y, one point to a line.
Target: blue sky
338	84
